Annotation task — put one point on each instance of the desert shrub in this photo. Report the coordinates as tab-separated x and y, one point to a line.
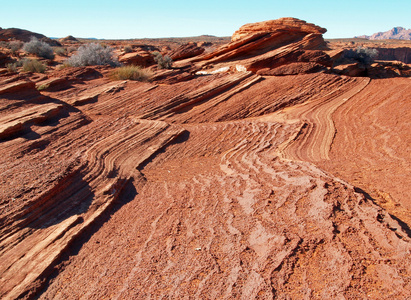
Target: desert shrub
33	65
128	49
163	62
131	73
91	55
15	46
71	49
11	67
60	51
63	66
39	48
362	55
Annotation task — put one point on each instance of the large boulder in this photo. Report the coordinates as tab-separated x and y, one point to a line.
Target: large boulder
141	58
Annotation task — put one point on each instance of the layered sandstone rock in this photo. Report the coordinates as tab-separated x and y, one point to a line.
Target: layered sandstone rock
267	45
186	51
283	24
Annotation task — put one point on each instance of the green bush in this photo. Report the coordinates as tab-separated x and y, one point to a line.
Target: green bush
131	73
163	62
93	55
33	65
39	48
362	55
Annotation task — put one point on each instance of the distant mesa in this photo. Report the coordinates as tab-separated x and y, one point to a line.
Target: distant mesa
397	33
24	36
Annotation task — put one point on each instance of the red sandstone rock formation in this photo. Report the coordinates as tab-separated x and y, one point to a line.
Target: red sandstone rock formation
266	45
231	185
284	24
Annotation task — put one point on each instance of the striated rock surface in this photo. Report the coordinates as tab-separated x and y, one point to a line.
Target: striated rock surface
293	69
185	51
265	45
229	185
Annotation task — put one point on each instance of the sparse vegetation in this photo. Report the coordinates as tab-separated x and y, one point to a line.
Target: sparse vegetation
91	55
39	48
131	73
15	46
11	67
71	49
43	87
4	44
163	62
60	51
33	65
63	66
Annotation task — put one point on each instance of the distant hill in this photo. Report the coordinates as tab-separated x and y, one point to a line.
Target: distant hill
24	36
397	33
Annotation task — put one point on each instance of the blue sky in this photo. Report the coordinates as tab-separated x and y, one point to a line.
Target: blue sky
121	19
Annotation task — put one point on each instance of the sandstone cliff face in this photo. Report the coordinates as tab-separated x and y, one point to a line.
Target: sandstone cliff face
401	54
